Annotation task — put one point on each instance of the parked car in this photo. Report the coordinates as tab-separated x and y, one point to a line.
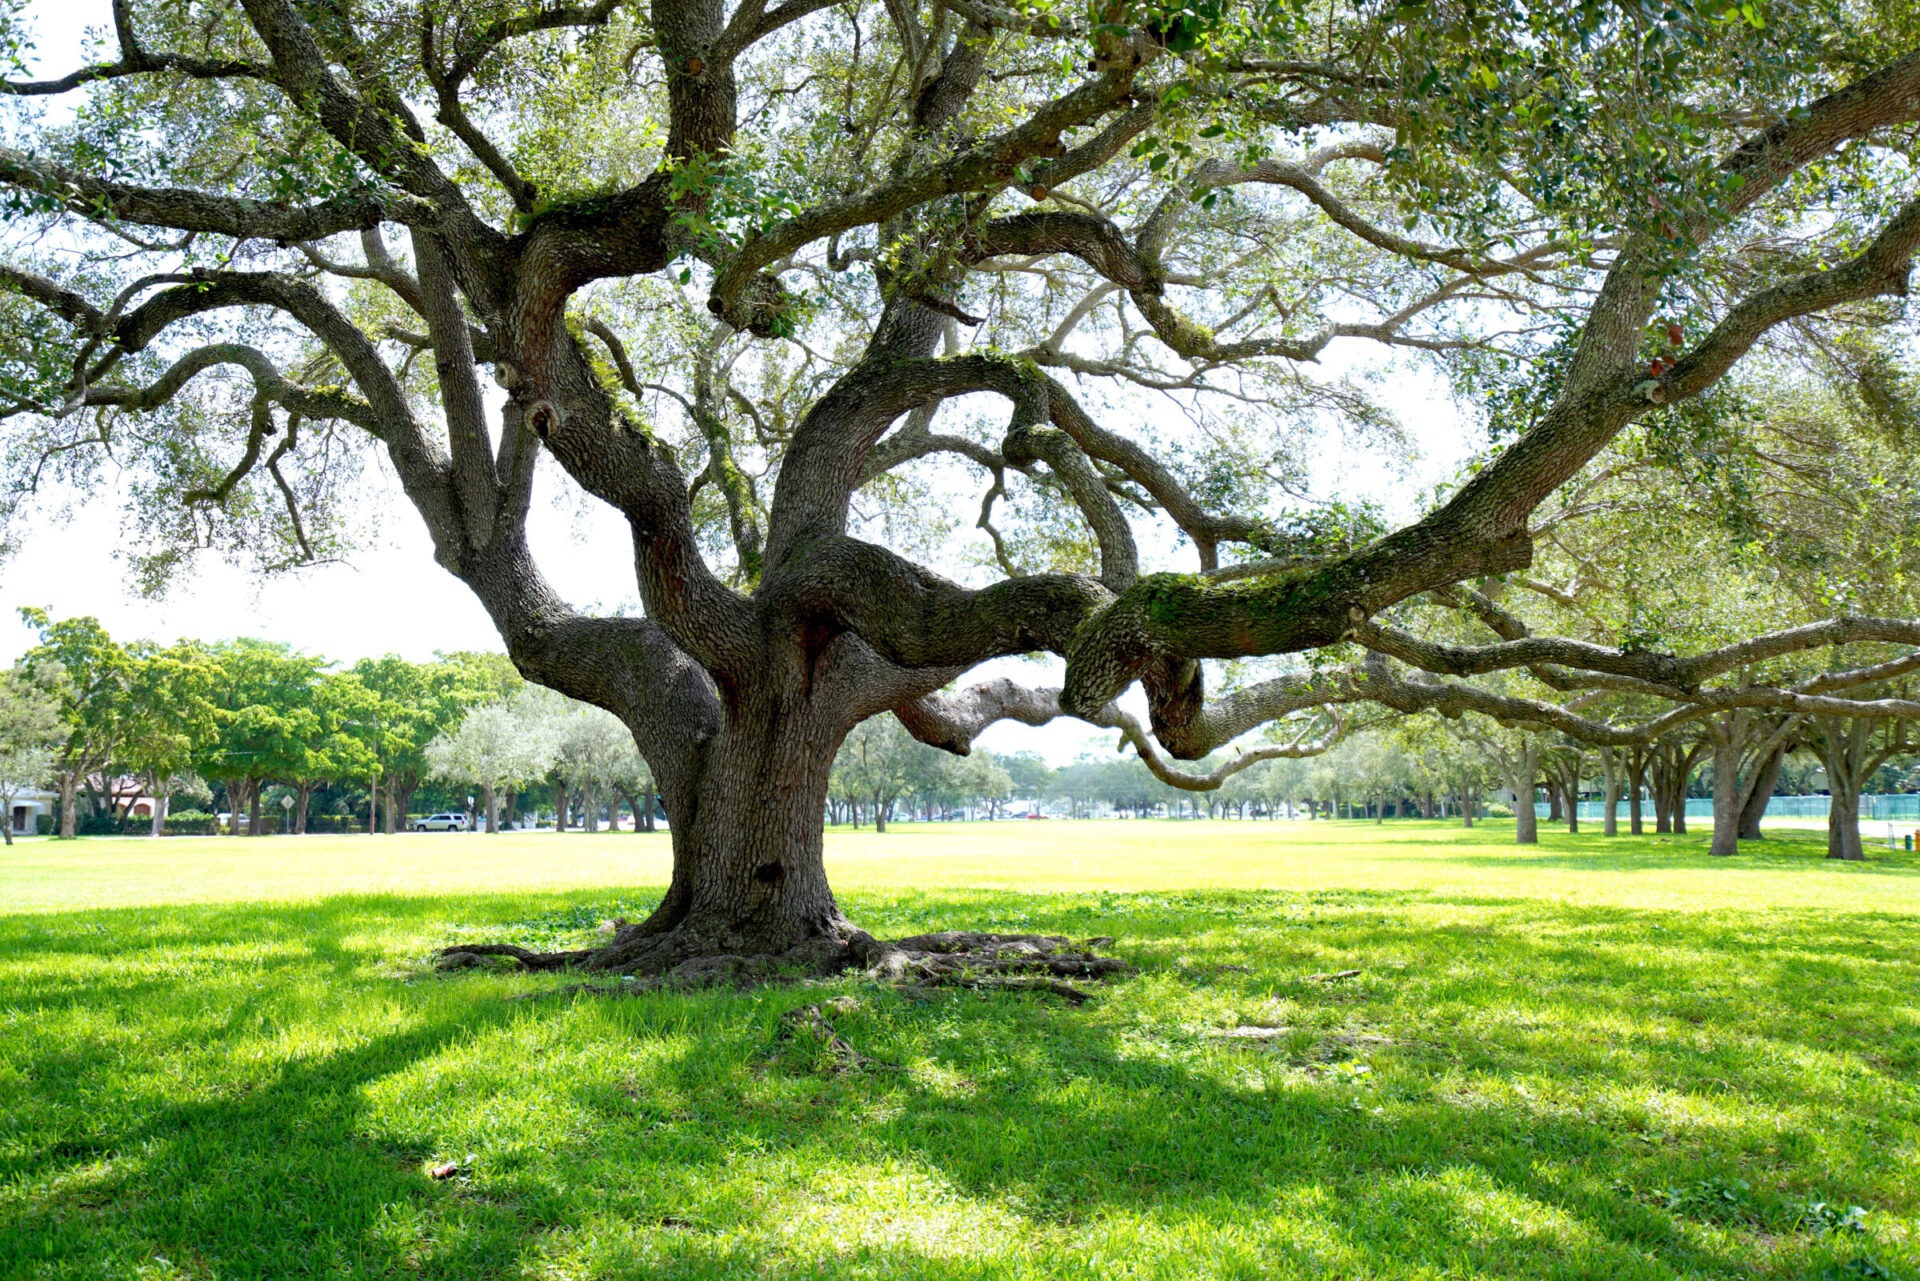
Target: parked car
441	823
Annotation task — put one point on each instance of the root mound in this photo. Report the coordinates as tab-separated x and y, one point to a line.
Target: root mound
954	958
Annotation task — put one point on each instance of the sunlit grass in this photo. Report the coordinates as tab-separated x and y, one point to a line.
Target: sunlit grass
221	1058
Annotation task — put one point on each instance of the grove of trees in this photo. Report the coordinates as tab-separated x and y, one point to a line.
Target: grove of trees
102	722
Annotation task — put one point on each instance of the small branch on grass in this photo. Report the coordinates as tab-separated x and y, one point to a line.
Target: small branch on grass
814	1020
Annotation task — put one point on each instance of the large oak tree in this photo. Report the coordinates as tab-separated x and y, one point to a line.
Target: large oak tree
740	270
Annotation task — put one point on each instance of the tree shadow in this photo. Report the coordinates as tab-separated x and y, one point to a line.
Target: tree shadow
684	1135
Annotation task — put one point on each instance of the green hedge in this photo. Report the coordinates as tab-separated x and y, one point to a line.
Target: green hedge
190	823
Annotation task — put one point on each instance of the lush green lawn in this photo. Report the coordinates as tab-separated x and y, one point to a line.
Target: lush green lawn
1595	1059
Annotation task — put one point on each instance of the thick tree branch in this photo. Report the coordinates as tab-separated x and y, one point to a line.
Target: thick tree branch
182	209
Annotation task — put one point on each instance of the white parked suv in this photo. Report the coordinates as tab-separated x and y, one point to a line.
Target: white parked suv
441	823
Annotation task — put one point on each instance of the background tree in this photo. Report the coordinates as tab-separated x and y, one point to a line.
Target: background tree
876	767
1853	749
495	747
592	756
30	731
89	673
415	703
1515	755
263	723
169	714
332	748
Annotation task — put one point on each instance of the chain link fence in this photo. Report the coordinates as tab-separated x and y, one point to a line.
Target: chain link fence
1883	808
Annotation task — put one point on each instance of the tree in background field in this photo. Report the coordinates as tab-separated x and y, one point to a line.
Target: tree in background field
170	714
496	747
416	702
264	723
30	732
874	767
593	758
332	748
1514	754
1853	749
91	684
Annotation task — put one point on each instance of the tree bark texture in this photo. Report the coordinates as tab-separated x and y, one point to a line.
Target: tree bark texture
1610	791
1760	791
1852	751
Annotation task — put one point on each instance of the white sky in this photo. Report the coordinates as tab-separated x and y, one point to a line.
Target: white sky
394	599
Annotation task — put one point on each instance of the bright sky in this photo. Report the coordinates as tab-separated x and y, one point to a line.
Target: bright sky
394	599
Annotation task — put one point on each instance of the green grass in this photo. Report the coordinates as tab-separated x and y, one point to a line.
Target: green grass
1612	1059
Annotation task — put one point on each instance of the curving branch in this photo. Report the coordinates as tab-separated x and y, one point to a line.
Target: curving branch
136	59
1669	674
988	165
952	722
182	209
269	386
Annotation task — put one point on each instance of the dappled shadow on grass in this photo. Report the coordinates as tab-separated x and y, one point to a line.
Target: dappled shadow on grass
1590	851
254	1094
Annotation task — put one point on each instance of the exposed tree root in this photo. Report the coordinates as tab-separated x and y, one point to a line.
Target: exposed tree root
812	1018
1005	962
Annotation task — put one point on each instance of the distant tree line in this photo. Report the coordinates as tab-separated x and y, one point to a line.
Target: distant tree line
279	739
272	738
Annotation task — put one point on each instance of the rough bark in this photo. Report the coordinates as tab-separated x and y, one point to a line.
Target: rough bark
1636	788
1760	791
1851	751
1726	787
1526	820
1610	791
69	805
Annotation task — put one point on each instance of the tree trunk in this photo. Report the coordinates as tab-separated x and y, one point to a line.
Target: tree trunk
1848	750
254	826
303	797
489	808
1843	821
1726	786
879	816
236	805
749	877
1556	808
1760	791
160	805
1610	791
1526	820
1522	776
69	804
396	800
1636	784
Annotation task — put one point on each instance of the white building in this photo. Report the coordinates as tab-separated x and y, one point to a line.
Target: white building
24	816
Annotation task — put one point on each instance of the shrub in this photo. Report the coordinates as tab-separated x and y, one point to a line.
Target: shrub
191	823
